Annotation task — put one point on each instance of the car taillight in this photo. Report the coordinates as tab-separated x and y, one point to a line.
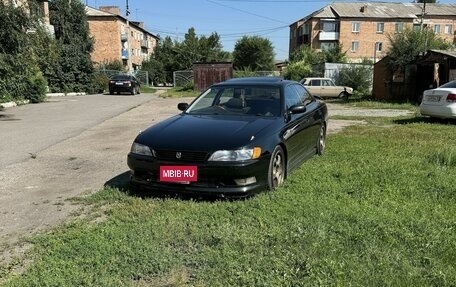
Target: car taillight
112	82
451	98
128	83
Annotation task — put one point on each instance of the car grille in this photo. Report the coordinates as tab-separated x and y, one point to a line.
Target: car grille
185	156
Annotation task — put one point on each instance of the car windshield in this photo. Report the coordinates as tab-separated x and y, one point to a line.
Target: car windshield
238	100
121	77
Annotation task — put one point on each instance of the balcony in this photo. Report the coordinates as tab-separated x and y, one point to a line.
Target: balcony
124	54
328	36
145	44
123	37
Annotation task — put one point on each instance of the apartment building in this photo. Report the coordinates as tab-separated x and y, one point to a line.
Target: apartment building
43	10
362	28
116	38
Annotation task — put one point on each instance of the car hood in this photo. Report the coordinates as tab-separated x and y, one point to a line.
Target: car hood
205	132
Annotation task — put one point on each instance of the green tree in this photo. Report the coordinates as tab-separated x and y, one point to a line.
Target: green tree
405	46
254	52
170	56
335	54
20	77
74	68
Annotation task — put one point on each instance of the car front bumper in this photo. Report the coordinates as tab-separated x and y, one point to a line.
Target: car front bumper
214	178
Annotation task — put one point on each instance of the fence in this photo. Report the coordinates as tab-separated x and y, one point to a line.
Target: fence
142	76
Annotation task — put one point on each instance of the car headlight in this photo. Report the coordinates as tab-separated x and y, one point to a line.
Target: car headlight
236	155
140	149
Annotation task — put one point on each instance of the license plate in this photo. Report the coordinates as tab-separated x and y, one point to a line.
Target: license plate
119	83
178	174
433	98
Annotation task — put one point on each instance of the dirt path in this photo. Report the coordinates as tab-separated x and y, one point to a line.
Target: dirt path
34	193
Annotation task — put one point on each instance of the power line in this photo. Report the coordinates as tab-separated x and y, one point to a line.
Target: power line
247	12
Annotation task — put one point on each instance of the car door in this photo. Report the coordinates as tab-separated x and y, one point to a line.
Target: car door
315	87
331	90
297	130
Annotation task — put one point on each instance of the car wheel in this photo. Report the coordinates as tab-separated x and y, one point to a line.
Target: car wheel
344	96
276	173
111	92
321	142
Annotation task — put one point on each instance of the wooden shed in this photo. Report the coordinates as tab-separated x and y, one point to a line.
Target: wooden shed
206	74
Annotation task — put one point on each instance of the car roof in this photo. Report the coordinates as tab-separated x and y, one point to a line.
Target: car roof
273	81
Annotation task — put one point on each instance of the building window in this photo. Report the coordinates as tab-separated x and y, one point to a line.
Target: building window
324	46
399	27
330	26
378	46
437	29
416	27
448	29
380	27
355	27
354	46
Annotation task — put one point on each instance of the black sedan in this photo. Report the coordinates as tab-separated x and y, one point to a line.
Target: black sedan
124	84
239	136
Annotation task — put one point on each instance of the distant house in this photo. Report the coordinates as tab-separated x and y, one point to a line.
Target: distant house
43	11
431	70
362	28
118	39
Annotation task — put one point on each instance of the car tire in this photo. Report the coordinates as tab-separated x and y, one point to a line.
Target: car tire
321	141
344	96
276	172
111	92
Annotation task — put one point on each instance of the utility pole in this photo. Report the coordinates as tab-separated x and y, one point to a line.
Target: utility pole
423	13
127	12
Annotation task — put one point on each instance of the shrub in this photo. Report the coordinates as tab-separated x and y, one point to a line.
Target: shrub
99	83
298	70
359	77
36	90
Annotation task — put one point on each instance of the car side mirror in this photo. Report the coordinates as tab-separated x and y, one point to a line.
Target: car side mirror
297	109
182	106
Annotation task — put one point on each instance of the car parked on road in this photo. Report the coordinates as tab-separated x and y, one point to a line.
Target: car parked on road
239	136
124	84
440	102
326	88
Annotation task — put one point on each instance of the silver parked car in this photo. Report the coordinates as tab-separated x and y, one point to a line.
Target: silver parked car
440	102
326	88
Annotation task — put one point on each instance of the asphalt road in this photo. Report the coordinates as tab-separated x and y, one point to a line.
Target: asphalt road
27	130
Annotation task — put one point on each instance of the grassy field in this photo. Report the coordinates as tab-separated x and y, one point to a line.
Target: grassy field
378	209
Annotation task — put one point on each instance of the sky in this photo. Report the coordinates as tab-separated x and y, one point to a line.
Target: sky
230	19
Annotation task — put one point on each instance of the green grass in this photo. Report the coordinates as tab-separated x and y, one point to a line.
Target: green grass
147	89
378	209
179	92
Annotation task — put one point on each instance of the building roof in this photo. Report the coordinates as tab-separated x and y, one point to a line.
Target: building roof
93	12
383	10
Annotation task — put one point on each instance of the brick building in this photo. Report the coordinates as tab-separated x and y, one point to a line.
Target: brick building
118	39
362	28
43	10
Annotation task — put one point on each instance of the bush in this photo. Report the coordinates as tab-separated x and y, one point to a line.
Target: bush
359	77
37	86
99	83
298	70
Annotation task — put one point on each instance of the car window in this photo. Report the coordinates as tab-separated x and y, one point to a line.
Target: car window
291	97
328	83
451	84
315	83
304	96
